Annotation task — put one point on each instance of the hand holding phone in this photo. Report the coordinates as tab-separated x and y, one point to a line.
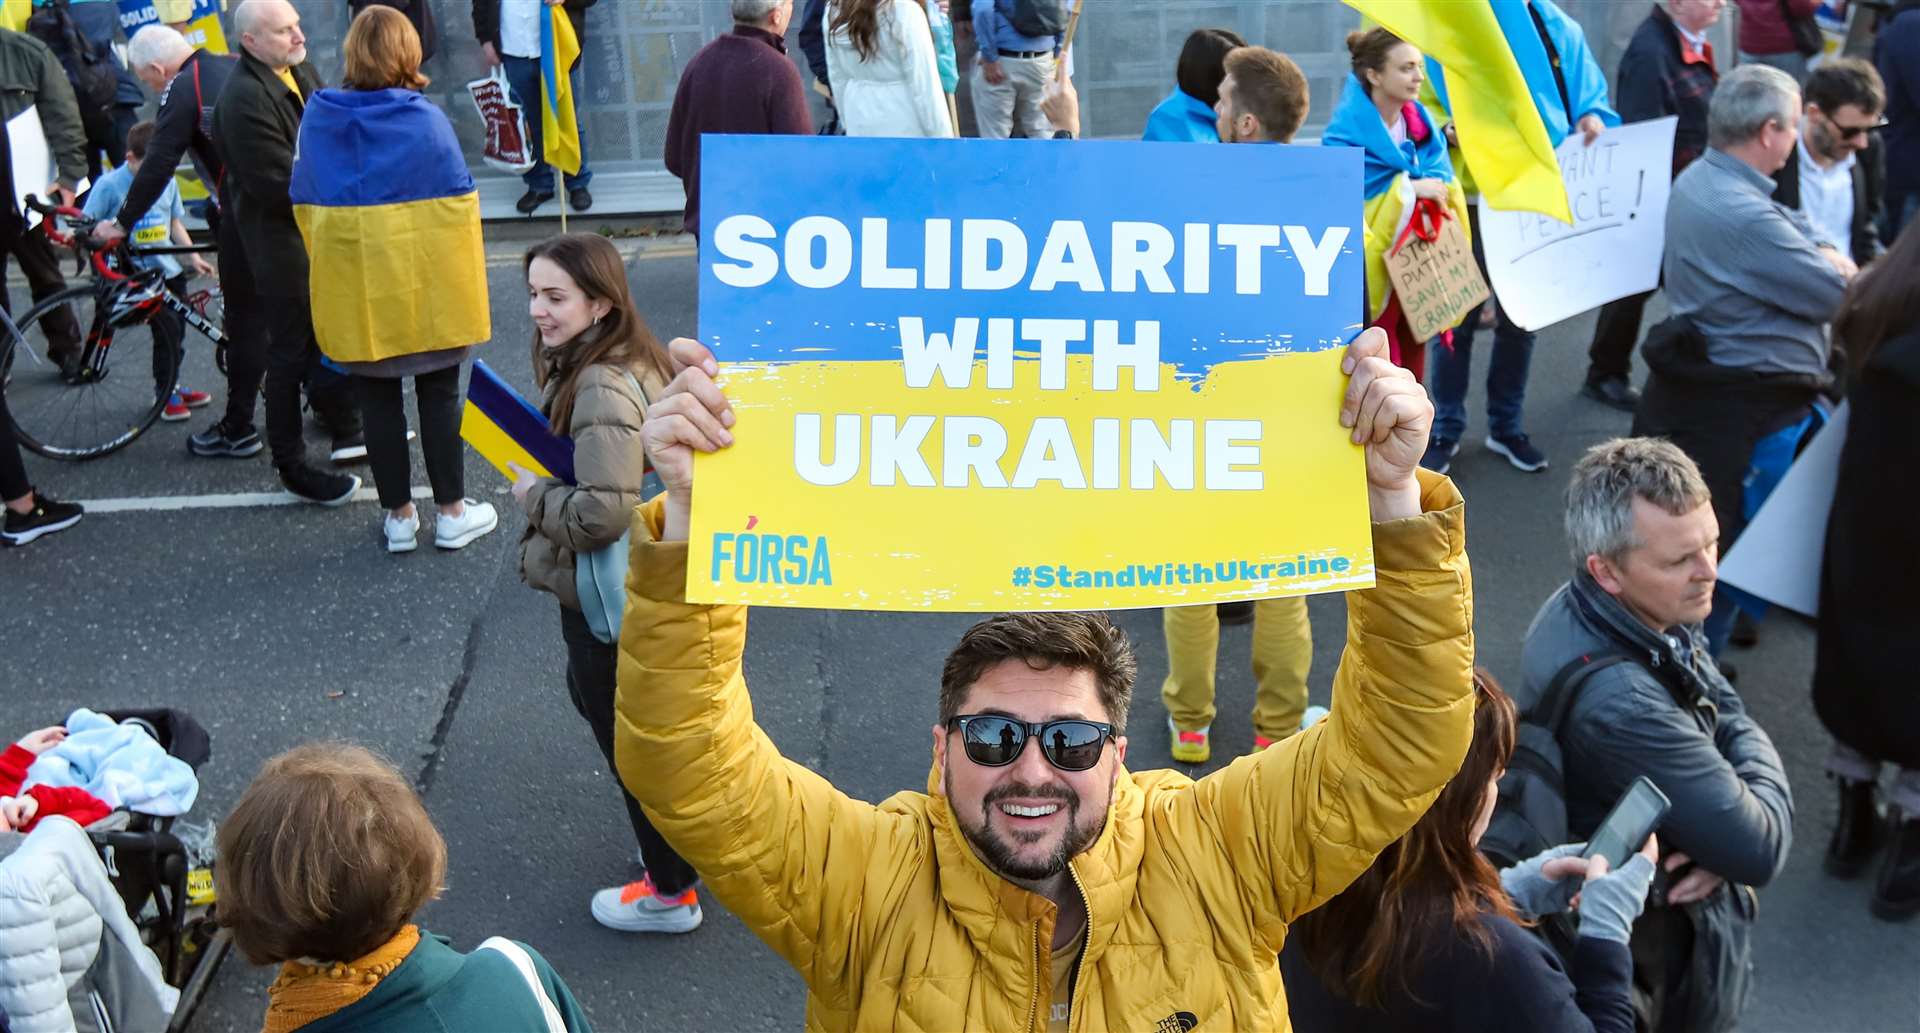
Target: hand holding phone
1633	818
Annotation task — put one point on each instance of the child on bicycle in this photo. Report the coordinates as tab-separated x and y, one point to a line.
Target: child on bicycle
163	223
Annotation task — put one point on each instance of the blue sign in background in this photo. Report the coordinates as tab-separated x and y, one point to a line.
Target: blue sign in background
1031	183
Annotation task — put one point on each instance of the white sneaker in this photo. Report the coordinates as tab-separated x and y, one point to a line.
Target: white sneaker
638	908
402	535
459	532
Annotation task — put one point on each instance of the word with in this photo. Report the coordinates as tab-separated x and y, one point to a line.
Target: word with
819	253
770	559
1148	575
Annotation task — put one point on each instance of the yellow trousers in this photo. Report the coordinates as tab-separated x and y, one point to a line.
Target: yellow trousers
1282	652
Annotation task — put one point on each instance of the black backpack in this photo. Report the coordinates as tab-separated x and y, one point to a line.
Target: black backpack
1531	814
1039	17
91	70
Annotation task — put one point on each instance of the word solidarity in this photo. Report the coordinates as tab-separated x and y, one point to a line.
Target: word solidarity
819	253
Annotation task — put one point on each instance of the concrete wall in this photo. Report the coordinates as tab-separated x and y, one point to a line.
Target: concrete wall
1124	59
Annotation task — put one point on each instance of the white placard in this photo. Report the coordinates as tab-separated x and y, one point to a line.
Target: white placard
1544	271
33	165
1779	555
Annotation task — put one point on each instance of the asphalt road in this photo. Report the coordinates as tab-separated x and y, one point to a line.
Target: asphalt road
280	625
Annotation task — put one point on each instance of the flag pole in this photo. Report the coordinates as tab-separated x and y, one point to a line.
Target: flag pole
1066	41
559	183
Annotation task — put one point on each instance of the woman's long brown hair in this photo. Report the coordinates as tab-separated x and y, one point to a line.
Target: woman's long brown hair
621	338
1883	301
1432	885
860	20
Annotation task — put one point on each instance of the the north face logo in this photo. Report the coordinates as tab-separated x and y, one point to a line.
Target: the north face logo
1178	1022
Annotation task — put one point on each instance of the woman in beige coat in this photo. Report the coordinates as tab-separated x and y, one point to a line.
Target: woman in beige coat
596	362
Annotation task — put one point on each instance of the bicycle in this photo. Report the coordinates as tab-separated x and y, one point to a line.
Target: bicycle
97	401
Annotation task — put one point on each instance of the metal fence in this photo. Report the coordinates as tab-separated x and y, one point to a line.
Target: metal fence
635	49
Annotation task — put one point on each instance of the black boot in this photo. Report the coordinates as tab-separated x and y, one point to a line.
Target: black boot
1896	896
1856	831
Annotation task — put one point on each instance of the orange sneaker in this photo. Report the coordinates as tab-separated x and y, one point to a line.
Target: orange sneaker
638	908
1189	747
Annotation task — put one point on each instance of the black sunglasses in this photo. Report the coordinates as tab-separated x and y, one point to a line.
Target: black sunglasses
993	741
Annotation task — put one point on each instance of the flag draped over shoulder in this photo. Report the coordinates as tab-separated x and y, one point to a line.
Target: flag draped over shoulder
14	14
559	130
1502	136
391	220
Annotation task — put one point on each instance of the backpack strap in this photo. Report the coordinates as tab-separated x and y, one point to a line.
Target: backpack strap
1556	702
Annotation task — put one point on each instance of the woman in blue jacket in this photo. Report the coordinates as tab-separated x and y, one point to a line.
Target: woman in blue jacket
1187	115
1406	162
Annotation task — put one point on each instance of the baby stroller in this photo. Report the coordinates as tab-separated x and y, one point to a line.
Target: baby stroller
161	870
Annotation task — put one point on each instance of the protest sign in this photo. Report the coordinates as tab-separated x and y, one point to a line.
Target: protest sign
979	375
1435	278
1780	553
1545	270
202	28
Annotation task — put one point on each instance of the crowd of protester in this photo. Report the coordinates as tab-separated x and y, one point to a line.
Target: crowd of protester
1340	878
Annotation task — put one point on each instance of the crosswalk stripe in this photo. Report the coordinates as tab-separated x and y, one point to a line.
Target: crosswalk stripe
230	500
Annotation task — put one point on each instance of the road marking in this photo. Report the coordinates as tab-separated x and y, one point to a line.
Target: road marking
232	500
499	256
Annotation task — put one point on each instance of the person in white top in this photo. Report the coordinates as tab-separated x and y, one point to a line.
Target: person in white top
886	81
1835	177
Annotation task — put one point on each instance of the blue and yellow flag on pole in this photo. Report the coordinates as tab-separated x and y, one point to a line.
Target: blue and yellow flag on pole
559	130
1502	136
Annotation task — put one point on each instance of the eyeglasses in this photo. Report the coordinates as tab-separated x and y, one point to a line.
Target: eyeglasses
1847	132
993	741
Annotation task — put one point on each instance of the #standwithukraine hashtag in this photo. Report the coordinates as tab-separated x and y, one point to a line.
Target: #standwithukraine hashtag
1022	576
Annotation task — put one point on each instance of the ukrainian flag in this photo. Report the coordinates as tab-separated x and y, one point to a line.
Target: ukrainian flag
559	130
506	429
1502	136
391	219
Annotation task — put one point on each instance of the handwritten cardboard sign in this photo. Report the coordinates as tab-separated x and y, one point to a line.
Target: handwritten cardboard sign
1003	375
1437	281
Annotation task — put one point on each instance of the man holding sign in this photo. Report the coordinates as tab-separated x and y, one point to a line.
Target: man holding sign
1050	881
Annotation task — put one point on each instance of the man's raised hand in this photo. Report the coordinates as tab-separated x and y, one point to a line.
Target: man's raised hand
1389	413
691	415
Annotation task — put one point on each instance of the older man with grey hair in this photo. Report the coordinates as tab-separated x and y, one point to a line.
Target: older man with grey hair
741	82
188	82
1620	648
1738	372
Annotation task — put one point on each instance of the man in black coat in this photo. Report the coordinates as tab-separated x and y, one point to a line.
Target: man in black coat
188	82
1837	175
516	44
256	125
1667	69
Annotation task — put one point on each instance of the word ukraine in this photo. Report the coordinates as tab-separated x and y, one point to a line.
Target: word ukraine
818	252
946	358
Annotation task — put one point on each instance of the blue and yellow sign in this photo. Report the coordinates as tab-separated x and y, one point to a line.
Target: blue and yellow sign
200	20
1028	374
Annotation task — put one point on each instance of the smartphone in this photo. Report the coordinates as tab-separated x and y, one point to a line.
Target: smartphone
1626	828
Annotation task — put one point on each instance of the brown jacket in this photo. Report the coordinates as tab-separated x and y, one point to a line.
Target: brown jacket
608	464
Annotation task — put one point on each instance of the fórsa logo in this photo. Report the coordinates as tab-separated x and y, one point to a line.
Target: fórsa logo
770	559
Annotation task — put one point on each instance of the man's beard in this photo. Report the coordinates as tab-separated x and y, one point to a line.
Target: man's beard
1003	856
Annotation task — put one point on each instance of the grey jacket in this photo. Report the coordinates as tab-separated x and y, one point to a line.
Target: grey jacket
1732	809
1746	271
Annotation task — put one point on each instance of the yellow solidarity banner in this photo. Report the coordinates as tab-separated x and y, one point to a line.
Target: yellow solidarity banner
1014	375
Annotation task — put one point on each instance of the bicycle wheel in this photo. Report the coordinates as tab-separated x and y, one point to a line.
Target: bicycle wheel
97	402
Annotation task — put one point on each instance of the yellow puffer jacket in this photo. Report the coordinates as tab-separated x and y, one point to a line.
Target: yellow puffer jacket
895	924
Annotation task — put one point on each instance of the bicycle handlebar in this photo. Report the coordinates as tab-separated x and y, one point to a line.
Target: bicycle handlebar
82	238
